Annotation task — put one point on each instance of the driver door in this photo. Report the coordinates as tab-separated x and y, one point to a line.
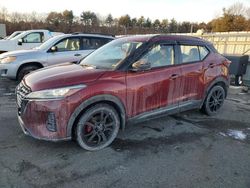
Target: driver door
67	50
157	88
31	40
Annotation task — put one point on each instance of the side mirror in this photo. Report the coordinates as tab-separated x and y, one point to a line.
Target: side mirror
141	65
53	49
20	42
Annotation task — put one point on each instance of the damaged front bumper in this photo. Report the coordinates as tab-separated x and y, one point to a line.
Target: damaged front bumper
44	120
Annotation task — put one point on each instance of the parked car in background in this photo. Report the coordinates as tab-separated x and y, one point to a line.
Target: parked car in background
26	40
14	34
128	80
59	49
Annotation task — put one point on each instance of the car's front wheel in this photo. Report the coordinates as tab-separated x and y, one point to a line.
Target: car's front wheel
97	127
214	100
26	70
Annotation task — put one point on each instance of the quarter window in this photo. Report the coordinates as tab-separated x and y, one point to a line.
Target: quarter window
203	52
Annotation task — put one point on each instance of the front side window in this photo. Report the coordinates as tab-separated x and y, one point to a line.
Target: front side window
34	38
160	55
69	44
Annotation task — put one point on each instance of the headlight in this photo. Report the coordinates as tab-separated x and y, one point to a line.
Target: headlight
55	93
8	59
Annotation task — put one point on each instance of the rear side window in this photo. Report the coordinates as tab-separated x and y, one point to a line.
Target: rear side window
93	43
193	53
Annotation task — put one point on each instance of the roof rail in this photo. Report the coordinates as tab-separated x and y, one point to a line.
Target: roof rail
76	33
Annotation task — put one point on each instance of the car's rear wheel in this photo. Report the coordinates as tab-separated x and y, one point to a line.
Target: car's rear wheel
97	127
214	100
26	70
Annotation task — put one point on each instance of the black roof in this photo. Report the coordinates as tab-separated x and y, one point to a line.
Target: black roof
184	38
168	37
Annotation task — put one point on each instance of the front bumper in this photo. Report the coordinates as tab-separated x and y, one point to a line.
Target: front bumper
26	132
8	70
35	119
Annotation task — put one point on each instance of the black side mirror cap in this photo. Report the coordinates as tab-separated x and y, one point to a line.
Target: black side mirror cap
53	49
20	42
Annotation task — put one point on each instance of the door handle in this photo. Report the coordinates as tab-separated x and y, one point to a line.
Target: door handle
174	76
77	55
211	65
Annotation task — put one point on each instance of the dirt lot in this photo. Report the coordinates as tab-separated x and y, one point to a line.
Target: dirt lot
184	150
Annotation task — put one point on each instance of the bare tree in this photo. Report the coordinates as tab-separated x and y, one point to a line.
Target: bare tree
237	9
248	12
3	14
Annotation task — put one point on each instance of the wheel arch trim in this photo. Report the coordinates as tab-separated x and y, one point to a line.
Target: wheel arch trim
97	99
213	83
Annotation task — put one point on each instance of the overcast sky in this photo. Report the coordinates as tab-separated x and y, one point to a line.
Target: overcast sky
181	10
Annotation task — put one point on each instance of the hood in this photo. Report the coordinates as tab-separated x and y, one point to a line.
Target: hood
19	53
61	76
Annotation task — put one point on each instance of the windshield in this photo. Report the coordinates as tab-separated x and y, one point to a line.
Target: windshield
22	34
111	54
13	35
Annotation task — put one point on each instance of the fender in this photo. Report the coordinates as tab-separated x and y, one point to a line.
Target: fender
96	99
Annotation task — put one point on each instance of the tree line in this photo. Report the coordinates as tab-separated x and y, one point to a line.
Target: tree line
234	18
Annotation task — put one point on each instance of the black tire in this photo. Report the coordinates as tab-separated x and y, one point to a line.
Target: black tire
214	100
97	127
26	70
238	80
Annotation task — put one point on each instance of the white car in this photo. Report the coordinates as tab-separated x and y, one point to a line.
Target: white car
26	40
59	49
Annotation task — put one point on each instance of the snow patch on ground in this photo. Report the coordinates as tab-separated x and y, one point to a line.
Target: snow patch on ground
236	134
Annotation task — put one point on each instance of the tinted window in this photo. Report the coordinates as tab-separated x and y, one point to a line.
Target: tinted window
93	43
69	44
34	38
160	55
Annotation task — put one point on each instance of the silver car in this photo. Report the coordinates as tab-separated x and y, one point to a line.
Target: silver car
59	49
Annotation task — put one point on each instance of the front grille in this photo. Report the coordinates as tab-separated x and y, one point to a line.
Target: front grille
21	92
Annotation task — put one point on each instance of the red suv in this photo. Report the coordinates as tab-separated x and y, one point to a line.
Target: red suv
127	80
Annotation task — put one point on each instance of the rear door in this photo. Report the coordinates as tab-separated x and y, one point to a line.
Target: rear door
89	44
192	81
155	88
68	50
